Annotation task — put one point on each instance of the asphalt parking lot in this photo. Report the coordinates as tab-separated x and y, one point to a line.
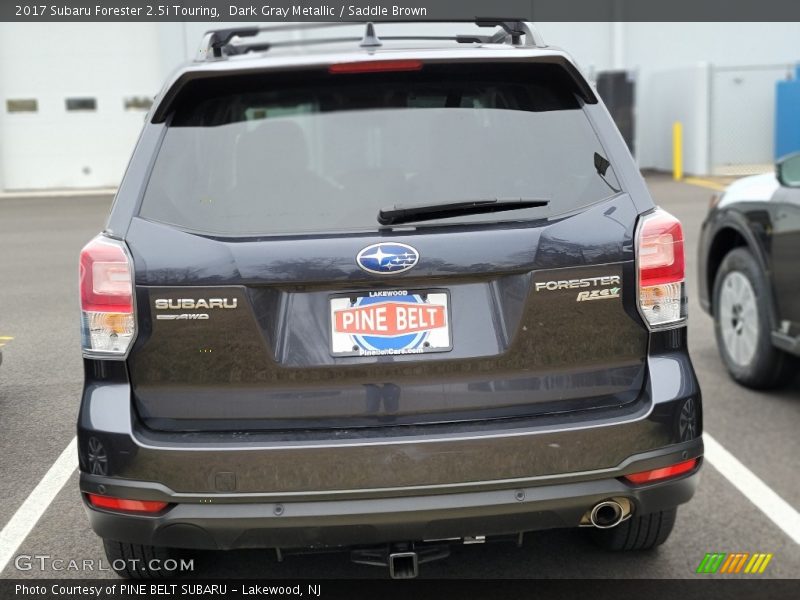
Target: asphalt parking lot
40	383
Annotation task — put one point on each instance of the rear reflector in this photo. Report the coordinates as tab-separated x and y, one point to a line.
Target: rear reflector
661	265
140	506
375	66
106	290
662	473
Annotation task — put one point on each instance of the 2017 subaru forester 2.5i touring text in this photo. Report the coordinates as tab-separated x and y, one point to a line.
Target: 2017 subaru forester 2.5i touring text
370	298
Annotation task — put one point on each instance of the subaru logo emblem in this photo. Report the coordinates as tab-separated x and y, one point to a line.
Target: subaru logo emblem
387	258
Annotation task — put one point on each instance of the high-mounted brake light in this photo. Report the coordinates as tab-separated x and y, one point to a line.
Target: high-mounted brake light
106	289
375	66
662	473
140	506
661	265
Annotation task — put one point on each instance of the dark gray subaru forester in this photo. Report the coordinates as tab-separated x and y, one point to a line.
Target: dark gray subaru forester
387	294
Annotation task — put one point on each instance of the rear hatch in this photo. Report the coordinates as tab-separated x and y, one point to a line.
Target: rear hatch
270	295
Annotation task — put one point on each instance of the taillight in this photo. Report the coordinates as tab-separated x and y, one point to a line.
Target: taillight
106	288
375	66
661	264
662	473
140	506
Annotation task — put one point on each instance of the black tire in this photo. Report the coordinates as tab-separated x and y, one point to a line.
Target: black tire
768	367
134	561
642	532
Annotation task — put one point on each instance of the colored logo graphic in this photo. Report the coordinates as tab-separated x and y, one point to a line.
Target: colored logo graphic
737	562
390	322
387	258
599	294
402	324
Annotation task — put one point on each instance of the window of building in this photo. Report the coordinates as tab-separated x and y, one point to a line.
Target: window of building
138	103
22	105
81	104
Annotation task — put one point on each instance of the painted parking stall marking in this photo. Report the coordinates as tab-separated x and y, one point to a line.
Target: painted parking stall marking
753	488
28	514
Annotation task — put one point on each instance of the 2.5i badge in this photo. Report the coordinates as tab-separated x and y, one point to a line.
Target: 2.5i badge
390	322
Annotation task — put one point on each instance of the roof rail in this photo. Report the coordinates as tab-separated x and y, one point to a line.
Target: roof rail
218	43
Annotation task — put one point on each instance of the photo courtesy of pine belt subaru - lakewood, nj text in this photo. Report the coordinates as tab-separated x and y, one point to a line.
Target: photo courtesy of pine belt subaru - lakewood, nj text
386	296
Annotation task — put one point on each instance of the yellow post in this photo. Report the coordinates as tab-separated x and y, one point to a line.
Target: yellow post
677	150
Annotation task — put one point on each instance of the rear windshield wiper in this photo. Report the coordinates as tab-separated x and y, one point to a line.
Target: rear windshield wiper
426	212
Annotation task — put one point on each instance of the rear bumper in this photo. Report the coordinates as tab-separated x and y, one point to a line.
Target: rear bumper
241	522
413	460
346	487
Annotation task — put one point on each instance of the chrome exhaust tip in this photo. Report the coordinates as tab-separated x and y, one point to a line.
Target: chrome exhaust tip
608	514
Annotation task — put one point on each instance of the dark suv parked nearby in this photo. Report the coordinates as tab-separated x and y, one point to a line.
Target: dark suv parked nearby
388	297
750	275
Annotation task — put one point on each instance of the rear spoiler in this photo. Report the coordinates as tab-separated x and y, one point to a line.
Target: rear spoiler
174	94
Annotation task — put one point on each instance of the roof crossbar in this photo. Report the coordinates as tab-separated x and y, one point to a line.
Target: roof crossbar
238	49
218	44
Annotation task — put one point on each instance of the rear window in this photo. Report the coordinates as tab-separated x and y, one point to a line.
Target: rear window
324	153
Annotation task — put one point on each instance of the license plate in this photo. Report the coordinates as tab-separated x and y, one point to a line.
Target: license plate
390	322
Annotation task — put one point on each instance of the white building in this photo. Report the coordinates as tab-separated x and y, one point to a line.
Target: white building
72	96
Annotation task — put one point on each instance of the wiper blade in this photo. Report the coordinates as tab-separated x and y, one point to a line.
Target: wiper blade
427	212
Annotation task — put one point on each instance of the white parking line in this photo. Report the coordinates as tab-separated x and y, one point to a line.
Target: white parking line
743	479
759	493
29	513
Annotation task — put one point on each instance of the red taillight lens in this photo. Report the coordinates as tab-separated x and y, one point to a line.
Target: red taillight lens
375	66
662	473
661	264
141	506
661	257
106	290
105	276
